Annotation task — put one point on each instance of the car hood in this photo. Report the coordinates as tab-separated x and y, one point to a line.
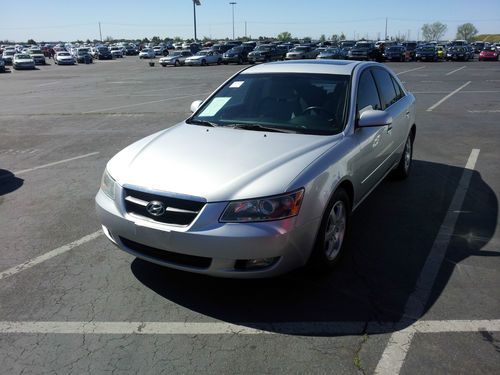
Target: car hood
37	55
23	60
196	57
217	164
65	57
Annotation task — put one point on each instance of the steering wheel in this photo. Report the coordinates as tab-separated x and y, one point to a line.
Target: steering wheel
316	108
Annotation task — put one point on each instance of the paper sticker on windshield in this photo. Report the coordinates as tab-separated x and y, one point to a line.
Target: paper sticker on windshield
214	106
236	84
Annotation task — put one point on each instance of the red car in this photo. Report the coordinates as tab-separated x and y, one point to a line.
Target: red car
488	54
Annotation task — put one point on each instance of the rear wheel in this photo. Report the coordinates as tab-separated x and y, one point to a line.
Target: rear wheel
333	232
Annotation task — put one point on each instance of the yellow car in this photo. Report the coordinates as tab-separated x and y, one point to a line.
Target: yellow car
441	52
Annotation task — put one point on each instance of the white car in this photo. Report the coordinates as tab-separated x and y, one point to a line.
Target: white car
23	61
37	55
8	56
204	57
116	51
64	58
176	58
159	50
147	53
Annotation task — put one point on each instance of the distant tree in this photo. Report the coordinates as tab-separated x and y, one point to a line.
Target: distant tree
342	36
108	39
79	41
31	41
322	38
434	31
155	40
88	41
307	39
177	39
335	38
145	40
467	31
285	36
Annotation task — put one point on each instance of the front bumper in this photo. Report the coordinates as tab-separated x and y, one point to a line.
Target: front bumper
24	66
231	59
221	245
39	60
66	62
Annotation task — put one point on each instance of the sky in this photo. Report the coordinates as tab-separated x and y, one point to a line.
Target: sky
69	20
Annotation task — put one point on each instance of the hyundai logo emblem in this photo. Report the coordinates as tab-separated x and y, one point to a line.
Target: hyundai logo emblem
156	208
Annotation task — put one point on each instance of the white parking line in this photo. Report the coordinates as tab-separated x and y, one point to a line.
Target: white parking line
399	342
144	103
222	328
52	164
456	70
48	83
410	70
434	106
42	258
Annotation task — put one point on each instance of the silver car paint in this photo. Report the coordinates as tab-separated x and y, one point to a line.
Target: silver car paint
218	165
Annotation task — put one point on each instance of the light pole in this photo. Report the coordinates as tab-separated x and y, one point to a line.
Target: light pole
195	3
232	3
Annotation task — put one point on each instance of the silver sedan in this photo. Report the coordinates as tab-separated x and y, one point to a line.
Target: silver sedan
264	176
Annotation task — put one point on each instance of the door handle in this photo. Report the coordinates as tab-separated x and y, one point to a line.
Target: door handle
408	114
389	128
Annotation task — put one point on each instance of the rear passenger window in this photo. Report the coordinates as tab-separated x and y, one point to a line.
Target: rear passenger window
367	94
385	87
399	91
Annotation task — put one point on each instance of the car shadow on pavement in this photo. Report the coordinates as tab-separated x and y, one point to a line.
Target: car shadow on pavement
9	182
393	232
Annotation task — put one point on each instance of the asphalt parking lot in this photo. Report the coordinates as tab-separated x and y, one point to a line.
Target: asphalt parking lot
417	293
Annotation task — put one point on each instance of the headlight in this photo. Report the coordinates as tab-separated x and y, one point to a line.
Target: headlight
108	185
263	209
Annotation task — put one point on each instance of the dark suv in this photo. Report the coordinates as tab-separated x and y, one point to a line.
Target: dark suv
103	53
237	54
363	51
265	53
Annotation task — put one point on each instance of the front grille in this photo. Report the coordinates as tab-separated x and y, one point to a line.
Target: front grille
168	256
178	211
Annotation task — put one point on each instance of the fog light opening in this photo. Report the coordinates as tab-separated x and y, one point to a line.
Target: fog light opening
254	264
108	234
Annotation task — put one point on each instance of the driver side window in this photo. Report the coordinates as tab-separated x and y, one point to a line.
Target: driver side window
367	96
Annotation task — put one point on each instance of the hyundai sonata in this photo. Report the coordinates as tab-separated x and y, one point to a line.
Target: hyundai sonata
263	177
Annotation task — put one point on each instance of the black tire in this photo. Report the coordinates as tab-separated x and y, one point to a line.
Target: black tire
203	62
320	260
176	63
403	169
240	61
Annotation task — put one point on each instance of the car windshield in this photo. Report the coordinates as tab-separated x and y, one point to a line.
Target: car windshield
428	49
236	49
176	53
395	49
103	49
300	49
362	45
23	56
63	54
288	102
262	48
37	51
202	53
83	51
9	53
331	50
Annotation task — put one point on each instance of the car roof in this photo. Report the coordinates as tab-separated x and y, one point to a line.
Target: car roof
343	67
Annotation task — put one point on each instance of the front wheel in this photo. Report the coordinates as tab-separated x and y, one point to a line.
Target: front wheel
402	171
333	232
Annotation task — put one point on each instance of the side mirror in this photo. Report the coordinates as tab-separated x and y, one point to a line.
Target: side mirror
195	105
372	118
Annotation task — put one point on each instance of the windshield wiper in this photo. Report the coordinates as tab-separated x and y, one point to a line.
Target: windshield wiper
259	127
201	123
